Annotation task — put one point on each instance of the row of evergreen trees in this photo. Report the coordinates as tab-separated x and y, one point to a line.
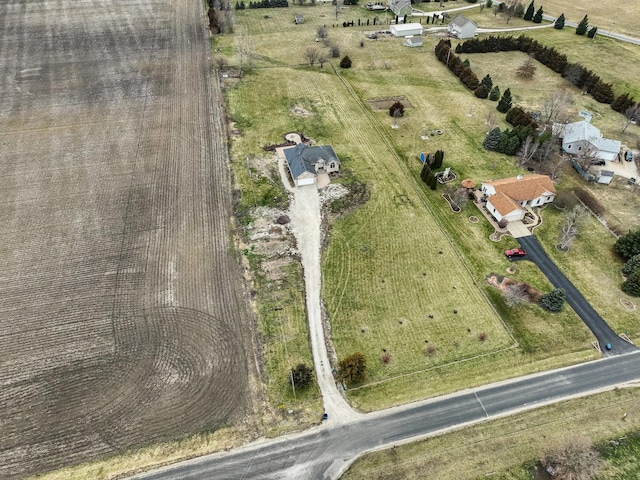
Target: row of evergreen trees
435	162
462	69
263	4
530	16
507	141
457	66
580	76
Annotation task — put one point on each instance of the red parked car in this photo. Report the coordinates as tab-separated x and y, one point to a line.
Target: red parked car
515	253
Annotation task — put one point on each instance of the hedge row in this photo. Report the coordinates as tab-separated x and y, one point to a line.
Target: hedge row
575	73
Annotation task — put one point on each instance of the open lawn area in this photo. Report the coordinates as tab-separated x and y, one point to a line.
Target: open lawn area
404	276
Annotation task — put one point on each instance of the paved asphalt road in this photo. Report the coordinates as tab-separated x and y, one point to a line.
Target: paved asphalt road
602	331
324	453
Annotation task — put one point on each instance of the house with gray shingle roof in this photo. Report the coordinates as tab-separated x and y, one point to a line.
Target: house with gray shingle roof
585	140
305	163
461	27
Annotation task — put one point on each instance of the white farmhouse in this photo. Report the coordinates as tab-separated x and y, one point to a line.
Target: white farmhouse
585	140
461	27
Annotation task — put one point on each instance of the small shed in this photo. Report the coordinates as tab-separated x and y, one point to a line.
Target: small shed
605	177
415	41
406	29
461	27
298	18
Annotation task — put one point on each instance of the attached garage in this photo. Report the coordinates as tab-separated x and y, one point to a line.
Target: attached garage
306	162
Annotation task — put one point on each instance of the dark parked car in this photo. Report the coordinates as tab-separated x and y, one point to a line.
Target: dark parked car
598	162
515	253
628	155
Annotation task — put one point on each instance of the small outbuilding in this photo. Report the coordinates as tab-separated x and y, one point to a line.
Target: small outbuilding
461	27
406	29
298	18
605	177
305	163
415	41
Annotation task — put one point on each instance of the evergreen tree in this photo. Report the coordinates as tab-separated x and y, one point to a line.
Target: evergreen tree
494	95
302	376
559	23
622	102
554	300
505	102
537	18
592	32
433	184
581	29
487	81
466	62
439	157
632	265
512	144
492	139
481	92
424	173
628	245
352	369
631	286
528	15
345	62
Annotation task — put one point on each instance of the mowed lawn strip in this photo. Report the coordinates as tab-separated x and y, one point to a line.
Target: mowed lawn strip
506	448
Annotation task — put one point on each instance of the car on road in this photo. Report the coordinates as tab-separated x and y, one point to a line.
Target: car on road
515	253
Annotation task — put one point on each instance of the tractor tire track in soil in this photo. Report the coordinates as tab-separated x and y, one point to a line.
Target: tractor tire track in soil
122	319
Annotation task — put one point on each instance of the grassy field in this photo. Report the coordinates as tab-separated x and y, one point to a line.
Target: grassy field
397	269
507	448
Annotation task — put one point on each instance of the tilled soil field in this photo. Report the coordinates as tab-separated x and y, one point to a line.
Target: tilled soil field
122	315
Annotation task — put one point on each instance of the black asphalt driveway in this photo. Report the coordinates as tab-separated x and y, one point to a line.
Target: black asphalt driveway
603	332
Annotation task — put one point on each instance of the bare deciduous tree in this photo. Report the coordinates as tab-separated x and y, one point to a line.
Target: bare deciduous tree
528	69
527	150
556	106
311	54
631	115
322	33
574	219
573	458
322	59
490	121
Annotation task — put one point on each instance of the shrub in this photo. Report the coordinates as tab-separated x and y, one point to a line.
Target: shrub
386	358
352	369
553	301
302	375
559	23
396	110
628	246
592	32
632	265
431	350
345	62
572	458
482	336
335	51
481	92
631	286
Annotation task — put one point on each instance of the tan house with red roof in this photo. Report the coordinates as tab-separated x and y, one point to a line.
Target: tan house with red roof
507	198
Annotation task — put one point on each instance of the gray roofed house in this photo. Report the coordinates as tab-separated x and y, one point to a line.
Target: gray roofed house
461	27
415	41
400	7
306	162
584	139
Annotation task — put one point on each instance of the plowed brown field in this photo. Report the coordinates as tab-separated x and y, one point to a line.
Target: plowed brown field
122	318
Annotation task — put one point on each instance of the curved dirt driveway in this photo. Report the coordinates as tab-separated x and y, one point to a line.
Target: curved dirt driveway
305	216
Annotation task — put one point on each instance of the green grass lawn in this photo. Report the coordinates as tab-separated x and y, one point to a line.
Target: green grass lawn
402	273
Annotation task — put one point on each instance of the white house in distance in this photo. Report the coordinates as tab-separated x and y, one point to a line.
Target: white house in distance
406	29
584	139
507	198
461	27
400	8
305	163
